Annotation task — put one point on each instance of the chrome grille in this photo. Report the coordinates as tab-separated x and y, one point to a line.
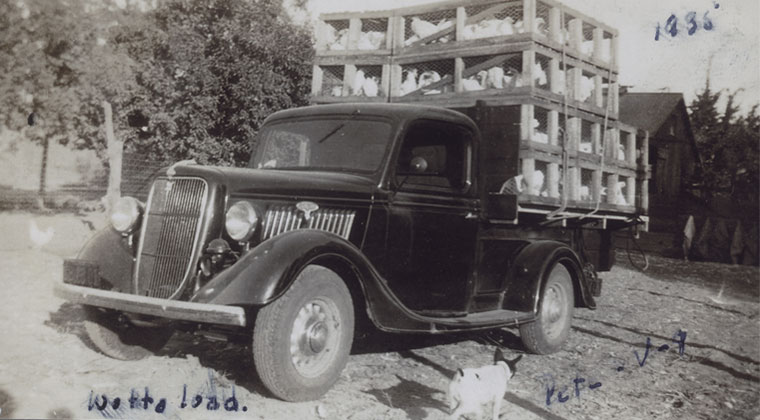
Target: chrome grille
170	231
281	219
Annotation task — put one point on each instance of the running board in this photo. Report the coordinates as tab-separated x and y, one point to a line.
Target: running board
480	320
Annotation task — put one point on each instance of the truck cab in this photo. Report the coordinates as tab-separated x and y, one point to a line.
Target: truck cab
344	211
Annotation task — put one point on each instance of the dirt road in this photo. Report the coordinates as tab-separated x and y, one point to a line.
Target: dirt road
662	344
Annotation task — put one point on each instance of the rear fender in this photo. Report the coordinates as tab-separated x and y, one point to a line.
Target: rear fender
530	270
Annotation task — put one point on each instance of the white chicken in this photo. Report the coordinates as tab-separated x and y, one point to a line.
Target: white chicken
539	75
539	26
358	85
495	78
586	148
410	82
587	47
505	27
512	78
428	78
619	196
587	88
423	28
536	183
621	152
474	83
336	91
487	28
371	40
519	27
340	41
538	136
38	236
370	86
468	32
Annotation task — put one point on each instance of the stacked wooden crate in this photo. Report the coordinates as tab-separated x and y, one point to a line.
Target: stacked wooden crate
552	71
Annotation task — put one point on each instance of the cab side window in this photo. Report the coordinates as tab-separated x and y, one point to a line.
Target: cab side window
434	156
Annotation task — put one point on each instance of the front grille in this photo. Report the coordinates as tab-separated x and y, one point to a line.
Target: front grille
281	219
170	232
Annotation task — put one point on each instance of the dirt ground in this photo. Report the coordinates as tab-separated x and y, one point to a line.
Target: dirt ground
48	368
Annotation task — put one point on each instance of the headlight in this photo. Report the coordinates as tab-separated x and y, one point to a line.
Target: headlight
241	221
125	214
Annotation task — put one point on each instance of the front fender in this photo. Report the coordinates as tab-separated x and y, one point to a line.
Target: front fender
530	270
114	257
266	271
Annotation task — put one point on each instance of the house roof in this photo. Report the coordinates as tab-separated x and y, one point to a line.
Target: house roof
650	110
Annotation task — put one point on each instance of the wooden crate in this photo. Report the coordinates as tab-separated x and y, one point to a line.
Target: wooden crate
547	155
459	69
351	33
448	24
361	80
486	69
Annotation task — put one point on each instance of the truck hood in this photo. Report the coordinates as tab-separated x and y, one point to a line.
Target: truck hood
299	185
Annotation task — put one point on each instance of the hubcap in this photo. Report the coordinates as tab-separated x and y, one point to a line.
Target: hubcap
314	337
317	337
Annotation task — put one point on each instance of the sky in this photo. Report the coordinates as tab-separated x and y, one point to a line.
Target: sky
731	50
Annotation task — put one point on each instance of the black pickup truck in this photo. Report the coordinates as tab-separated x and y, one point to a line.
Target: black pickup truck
345	212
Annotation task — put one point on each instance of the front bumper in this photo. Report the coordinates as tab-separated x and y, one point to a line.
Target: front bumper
171	309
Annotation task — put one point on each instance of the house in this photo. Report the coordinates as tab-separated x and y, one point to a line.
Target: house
673	153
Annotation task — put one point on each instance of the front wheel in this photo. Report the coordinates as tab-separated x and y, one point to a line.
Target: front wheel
302	340
549	331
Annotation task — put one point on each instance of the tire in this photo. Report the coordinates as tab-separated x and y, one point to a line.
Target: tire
120	339
301	341
550	330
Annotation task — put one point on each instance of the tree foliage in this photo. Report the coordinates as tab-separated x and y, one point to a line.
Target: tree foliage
213	71
729	145
189	79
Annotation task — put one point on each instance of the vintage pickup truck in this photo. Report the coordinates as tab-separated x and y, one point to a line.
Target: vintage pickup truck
346	211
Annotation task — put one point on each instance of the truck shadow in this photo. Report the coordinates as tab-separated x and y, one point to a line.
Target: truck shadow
410	396
234	360
7	405
375	341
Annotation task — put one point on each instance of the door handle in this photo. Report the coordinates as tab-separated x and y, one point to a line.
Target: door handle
470	215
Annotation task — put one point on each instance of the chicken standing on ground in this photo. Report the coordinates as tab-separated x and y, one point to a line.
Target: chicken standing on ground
38	236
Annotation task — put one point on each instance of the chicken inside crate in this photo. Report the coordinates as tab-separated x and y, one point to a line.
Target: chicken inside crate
424	78
331	80
361	34
492	20
503	71
432	27
367	82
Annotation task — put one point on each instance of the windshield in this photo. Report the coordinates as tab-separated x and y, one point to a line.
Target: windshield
331	144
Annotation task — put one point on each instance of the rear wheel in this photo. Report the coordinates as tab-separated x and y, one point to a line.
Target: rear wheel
301	341
549	332
117	337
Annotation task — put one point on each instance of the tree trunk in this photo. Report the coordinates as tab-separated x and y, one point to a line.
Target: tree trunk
43	174
115	149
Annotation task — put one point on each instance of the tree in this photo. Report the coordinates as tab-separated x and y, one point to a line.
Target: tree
211	72
729	145
189	79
